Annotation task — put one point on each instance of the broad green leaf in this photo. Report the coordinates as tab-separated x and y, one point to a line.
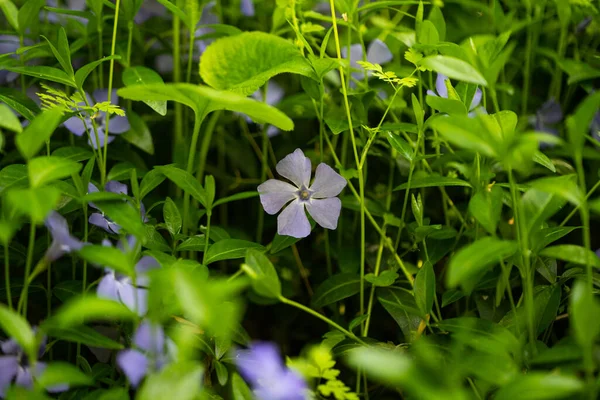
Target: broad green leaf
153	240
78	311
433	181
172	217
401	306
150	181
39	131
245	62
437	19
181	380
429	34
14	175
203	100
124	214
194	243
448	106
139	135
61	373
390	367
454	68
84	335
386	278
578	124
185	181
235	197
583	314
82	73
543	237
45	169
120	171
29	14
336	288
538	206
561	186
8	120
572	253
229	249
36	203
145	76
400	145
43	72
19	102
17	328
73	153
541	386
486	207
265	281
418	110
481	334
105	256
471	261
578	70
544	161
545	306
424	288
466	133
239	388
11	12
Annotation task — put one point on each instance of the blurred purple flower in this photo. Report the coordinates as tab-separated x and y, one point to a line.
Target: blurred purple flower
121	288
319	198
545	119
116	124
149	9
442	91
102	221
377	53
62	241
270	379
247	8
595	126
74	5
10	44
14	365
153	350
582	26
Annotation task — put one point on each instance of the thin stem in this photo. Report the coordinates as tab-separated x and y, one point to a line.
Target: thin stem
178	137
206	235
129	41
302	270
25	292
7	274
322	318
205	145
190	165
587	196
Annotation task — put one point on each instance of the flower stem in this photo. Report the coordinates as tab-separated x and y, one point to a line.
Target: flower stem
178	144
25	292
7	274
322	318
190	167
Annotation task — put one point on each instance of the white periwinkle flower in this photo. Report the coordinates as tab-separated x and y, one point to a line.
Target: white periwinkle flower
318	198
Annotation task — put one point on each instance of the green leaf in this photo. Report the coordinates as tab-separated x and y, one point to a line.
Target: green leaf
11	12
194	243
29	14
185	181
150	181
73	153
336	288
139	135
429	34
578	70
78	311
42	72
481	334
229	249
62	51
203	99
486	207
400	145
181	381
572	253
14	175
84	335
265	281
172	217
19	102
424	288
386	278
36	203
38	132
454	68
17	328
418	110
401	305
466	133
175	11
82	73
106	256
245	62
448	106
433	181
544	161
578	124
61	373
583	314
390	367
45	169
538	206
561	186
8	120
473	260
239	388
145	76
541	386
124	214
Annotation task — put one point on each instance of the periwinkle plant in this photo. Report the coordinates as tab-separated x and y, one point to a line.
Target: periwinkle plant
286	200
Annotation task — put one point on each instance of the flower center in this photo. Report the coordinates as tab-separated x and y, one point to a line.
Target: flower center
303	193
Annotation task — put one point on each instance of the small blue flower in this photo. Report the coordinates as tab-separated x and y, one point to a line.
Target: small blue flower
318	199
270	379
247	8
442	91
546	118
62	241
10	44
151	352
116	124
121	288
595	126
102	221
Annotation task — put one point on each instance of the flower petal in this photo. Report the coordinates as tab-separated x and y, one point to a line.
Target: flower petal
128	294
116	187
247	8
9	365
108	287
325	211
274	194
101	136
150	337
476	99
262	359
550	112
356	54
327	183
134	364
440	85
295	167
99	220
378	52
24	378
118	125
10	346
75	125
293	221
101	95
146	264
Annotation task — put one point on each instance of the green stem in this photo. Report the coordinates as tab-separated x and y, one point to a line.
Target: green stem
100	52
205	145
322	318
573	211
190	167
129	41
557	77
206	235
25	292
7	275
178	138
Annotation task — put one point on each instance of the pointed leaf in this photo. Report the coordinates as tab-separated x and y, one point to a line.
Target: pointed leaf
454	68
31	140
50	168
336	288
145	76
